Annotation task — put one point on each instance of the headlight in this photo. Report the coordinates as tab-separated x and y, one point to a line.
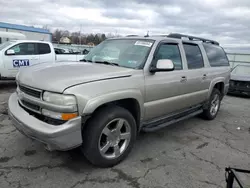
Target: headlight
59	99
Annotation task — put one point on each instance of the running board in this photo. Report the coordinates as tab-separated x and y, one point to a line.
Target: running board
170	122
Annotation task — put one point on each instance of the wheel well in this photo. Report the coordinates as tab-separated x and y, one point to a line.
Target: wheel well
220	87
130	104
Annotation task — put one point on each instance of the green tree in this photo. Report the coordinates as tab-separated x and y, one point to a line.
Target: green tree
96	40
90	38
57	35
103	37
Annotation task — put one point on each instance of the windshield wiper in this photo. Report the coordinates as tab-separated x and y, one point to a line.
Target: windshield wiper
84	60
107	63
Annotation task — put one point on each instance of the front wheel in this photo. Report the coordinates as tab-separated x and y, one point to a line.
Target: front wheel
109	136
213	105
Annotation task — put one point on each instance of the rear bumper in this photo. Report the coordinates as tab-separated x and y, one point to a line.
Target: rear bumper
61	137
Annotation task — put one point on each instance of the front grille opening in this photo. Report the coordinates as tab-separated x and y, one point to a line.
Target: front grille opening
43	118
29	91
31	106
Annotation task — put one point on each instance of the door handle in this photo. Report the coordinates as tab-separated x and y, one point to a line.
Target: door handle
204	76
183	79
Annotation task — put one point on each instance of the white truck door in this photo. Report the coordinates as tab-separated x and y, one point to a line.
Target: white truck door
25	55
46	53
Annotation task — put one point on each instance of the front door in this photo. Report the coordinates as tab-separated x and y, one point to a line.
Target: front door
25	55
166	92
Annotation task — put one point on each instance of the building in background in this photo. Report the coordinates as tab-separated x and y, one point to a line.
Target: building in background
65	40
31	33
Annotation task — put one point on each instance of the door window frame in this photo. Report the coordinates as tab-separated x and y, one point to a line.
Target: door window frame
35	45
201	52
38	48
153	62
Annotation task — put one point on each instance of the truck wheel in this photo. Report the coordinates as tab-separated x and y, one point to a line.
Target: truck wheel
213	105
109	136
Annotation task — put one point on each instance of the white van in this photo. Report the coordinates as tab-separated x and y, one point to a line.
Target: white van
23	53
6	36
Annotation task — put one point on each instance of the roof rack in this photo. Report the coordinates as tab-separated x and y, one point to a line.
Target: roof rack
193	38
132	35
159	35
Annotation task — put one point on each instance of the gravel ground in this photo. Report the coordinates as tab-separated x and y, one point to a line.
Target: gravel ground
193	153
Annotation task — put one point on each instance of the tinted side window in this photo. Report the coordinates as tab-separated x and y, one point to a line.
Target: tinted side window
43	48
194	56
216	55
24	49
170	51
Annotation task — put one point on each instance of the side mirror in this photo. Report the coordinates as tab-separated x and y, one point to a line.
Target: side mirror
10	52
163	65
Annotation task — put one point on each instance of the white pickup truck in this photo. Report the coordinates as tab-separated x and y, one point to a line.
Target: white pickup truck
18	54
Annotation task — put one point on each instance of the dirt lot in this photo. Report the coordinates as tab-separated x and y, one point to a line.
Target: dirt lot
193	153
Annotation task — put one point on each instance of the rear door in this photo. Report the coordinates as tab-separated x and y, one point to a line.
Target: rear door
25	55
46	55
196	75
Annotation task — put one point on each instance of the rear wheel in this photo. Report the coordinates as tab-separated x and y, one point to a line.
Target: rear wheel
109	136
213	105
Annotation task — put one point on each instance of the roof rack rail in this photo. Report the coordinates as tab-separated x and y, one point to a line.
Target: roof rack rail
132	35
159	35
193	38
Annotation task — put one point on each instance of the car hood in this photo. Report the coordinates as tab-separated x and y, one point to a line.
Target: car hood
57	77
240	77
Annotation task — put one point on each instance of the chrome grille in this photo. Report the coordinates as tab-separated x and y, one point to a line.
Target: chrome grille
30	91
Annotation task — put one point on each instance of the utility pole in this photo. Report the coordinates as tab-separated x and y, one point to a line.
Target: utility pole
80	40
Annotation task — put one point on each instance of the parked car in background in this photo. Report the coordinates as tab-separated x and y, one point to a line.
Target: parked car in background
123	86
240	80
61	50
18	54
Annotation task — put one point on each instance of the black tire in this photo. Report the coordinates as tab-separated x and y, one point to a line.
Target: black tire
207	112
93	130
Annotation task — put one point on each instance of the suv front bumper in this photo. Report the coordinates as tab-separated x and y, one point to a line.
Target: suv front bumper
60	137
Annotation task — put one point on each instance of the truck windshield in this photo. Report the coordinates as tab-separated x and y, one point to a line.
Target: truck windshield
130	53
5	44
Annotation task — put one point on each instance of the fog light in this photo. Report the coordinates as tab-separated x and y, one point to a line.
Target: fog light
58	115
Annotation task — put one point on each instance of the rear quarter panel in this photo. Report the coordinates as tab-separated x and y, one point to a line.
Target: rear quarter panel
219	74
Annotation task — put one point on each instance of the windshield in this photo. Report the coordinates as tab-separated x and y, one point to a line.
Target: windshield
241	70
131	53
5	44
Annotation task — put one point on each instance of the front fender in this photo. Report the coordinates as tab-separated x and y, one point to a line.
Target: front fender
96	102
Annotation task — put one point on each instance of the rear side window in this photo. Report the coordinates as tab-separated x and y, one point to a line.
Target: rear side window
216	55
194	56
43	48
